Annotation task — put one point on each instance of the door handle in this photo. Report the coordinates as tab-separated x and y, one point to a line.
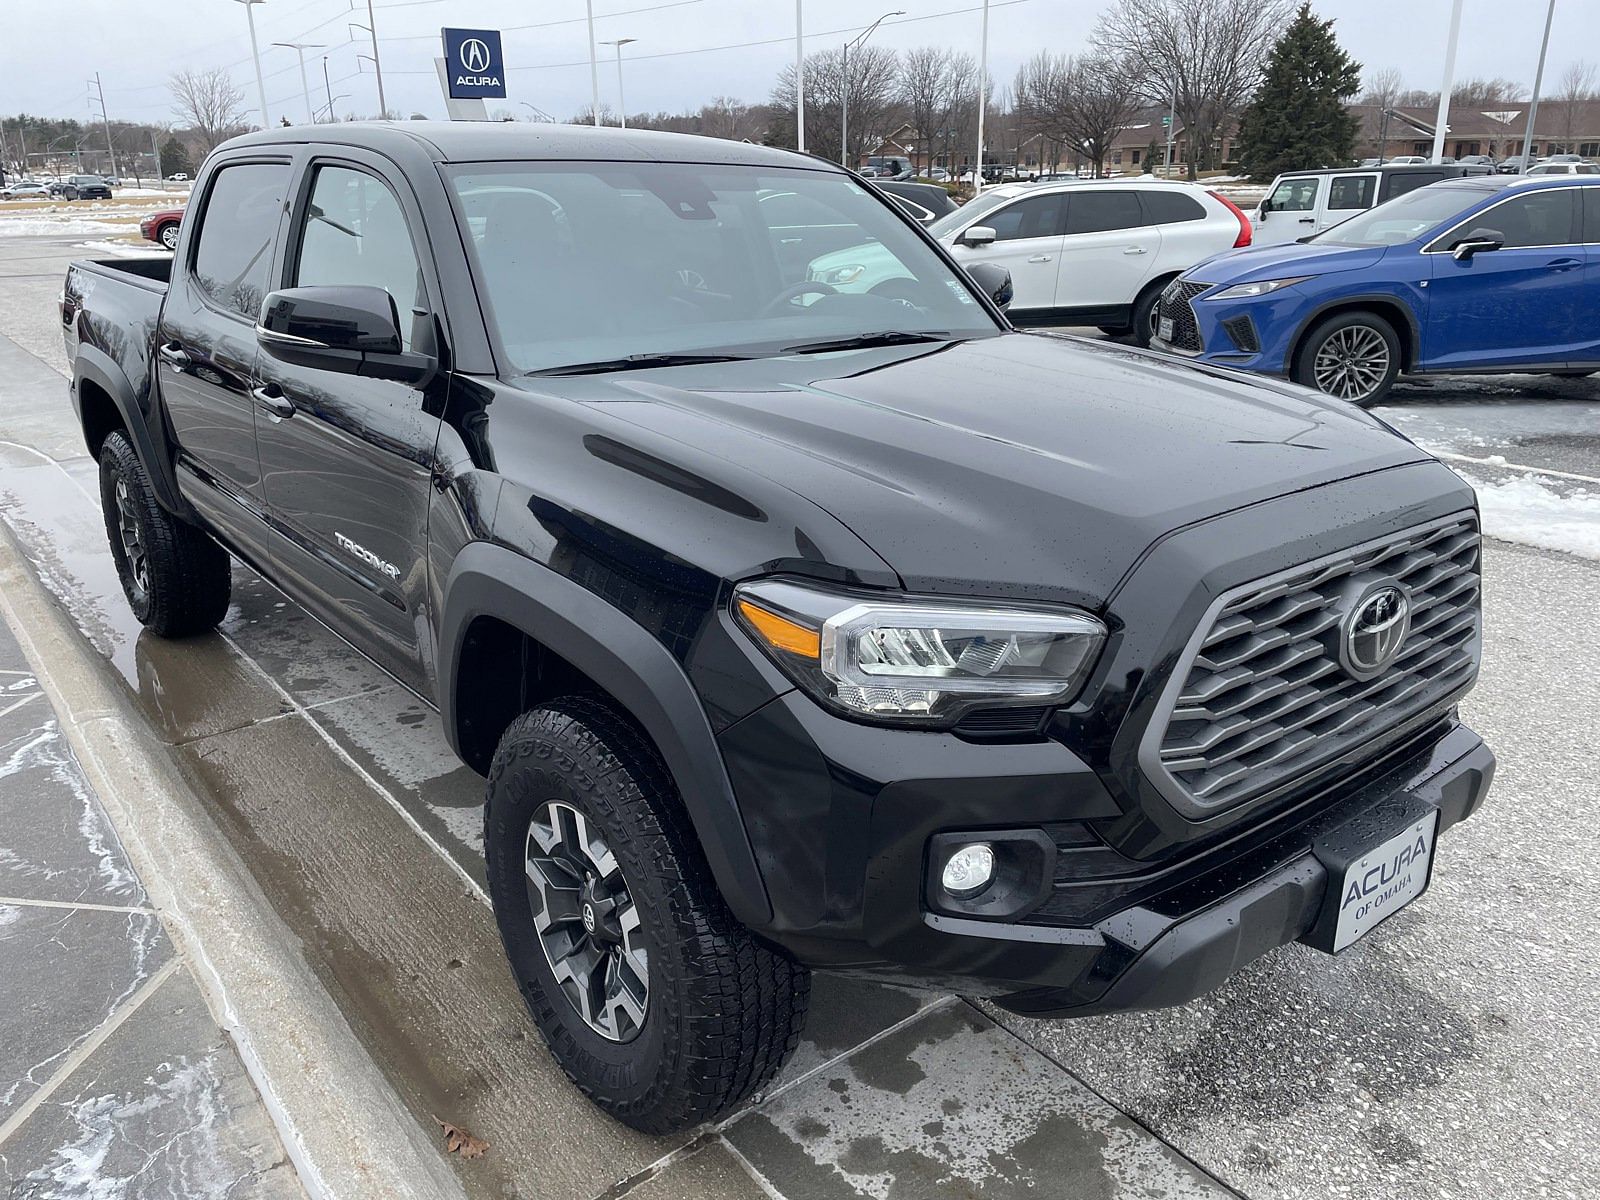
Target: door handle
1040	258
174	355
1564	264
1308	220
272	401
1135	250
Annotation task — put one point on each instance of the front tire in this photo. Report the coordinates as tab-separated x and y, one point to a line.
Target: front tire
655	1001
1352	356
176	578
169	236
1146	315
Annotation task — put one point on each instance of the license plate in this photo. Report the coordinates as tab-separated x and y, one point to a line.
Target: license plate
1164	329
1384	880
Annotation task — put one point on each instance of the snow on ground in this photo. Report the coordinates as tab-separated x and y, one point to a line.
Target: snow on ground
45	224
125	249
1535	514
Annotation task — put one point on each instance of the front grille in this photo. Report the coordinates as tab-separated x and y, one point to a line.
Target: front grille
1264	701
1175	307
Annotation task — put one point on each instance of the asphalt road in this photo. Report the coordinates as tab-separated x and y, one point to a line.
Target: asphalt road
1450	1054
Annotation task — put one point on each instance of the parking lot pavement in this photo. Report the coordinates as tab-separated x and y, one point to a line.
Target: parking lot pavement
114	1079
1450	1054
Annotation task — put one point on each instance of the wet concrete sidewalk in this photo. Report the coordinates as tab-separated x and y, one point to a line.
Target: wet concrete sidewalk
114	1079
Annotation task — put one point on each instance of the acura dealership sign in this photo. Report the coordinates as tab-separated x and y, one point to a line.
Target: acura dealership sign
475	69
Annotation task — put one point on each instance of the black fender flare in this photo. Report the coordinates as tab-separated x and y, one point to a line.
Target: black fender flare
1412	332
638	672
95	366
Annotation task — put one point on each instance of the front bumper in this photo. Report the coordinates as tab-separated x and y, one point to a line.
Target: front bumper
1178	945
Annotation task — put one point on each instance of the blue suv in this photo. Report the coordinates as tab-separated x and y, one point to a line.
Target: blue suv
1476	274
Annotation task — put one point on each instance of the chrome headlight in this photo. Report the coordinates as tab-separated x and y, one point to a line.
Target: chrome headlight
838	276
918	660
1249	291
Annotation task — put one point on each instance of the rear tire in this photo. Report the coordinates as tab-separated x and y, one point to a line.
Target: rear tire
169	236
1353	356
1145	313
581	819
176	578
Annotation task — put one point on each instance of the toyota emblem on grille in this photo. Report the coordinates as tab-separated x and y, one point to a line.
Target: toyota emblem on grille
1375	629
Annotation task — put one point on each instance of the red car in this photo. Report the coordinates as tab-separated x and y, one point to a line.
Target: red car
162	227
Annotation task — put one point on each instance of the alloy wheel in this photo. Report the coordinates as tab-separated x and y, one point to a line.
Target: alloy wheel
1351	363
587	924
132	538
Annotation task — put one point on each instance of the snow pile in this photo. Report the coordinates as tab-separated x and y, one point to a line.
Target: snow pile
1524	510
47	225
125	249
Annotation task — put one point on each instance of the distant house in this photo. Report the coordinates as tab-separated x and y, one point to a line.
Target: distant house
1565	127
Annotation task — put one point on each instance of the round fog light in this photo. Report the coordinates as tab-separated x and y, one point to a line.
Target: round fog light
968	871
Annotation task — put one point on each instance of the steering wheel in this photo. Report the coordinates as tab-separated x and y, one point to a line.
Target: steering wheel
793	292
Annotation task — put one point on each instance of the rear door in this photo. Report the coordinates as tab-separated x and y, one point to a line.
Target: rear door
1589	355
1346	196
1109	252
206	343
347	476
1028	236
1521	305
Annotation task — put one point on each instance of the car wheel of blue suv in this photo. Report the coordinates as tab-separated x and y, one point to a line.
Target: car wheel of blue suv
1352	356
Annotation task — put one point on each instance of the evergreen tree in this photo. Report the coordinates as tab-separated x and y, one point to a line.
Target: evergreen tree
1152	156
174	158
1298	119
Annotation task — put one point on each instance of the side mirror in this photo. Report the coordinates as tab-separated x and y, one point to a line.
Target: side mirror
994	282
1476	242
353	330
1265	207
977	235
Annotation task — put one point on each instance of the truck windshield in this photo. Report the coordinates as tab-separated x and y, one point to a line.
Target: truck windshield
602	262
1404	219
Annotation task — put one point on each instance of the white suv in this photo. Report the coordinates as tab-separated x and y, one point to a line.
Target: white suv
1092	252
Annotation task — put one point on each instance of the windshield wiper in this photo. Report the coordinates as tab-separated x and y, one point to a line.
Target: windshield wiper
637	362
865	341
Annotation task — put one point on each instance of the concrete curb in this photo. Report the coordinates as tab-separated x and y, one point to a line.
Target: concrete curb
343	1126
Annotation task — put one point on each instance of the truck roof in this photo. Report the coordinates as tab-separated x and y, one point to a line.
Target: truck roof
511	141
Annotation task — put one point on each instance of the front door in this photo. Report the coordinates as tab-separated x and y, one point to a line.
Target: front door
206	346
1109	253
1027	242
1290	211
1523	304
347	474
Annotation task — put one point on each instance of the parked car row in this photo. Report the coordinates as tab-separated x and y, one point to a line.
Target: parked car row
73	187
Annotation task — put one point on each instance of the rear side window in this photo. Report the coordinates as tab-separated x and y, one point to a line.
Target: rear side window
1537	219
355	233
1591	215
1410	181
237	231
1351	192
1097	212
1168	208
1037	216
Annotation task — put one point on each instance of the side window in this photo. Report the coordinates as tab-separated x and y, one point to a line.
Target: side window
1037	216
1094	211
1169	208
1410	181
355	233
1294	195
1537	219
1591	215
1351	192
237	232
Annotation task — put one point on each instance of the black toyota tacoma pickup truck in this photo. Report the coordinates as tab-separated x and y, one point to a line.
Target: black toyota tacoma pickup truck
795	625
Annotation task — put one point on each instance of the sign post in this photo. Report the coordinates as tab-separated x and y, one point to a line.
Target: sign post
472	70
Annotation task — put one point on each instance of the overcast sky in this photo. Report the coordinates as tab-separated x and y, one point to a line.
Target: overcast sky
687	50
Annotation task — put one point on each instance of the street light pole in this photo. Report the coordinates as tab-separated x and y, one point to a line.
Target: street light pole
594	70
799	78
377	66
255	56
300	49
1449	81
105	119
622	100
844	67
983	99
327	88
1538	82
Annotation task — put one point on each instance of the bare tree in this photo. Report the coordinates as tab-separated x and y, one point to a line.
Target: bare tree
936	89
1204	55
873	72
726	117
211	105
1382	88
1574	89
1083	103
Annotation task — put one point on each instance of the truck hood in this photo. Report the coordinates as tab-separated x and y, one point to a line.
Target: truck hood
1019	465
1280	260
